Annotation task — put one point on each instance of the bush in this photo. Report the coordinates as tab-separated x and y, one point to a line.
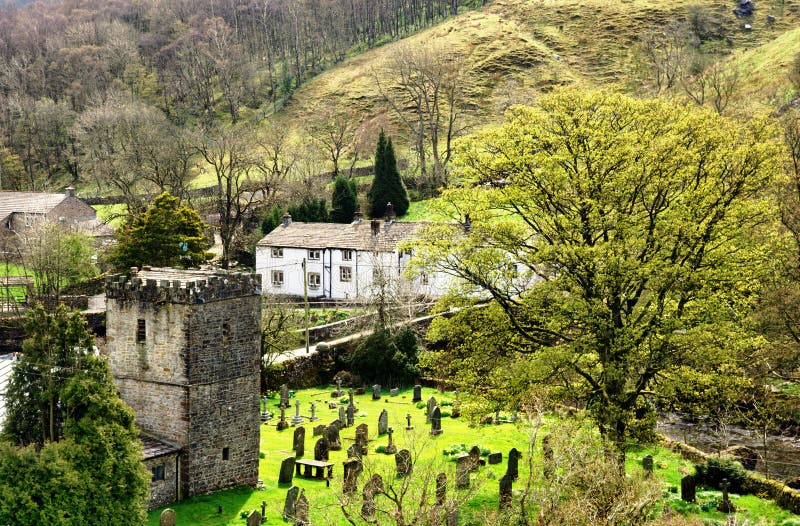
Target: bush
715	470
385	358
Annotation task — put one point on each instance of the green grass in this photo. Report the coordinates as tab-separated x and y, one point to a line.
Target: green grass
17	293
275	446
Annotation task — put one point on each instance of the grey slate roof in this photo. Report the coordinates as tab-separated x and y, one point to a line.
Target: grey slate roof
355	236
156	448
28	202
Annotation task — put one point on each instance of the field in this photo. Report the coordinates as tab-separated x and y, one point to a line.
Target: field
483	494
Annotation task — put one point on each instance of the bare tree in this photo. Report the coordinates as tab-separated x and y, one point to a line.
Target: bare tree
662	55
334	130
716	84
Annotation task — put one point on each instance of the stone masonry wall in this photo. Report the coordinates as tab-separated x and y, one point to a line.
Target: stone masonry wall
163	492
161	410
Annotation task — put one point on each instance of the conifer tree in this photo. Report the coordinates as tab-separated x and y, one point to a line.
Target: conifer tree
387	187
344	200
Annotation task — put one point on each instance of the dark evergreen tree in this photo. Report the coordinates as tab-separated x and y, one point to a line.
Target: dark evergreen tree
313	211
272	219
387	187
344	200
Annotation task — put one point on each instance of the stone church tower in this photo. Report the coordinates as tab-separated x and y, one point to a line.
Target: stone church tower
184	348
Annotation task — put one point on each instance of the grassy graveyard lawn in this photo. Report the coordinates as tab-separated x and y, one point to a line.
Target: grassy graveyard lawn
325	502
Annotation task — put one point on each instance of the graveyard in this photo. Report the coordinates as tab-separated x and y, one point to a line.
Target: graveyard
396	440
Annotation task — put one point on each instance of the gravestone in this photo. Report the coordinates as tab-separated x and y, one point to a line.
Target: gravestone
417	394
463	467
350	398
287	471
338	392
362	437
289	503
409	427
351	415
495	458
359	390
352	469
376	392
441	488
297	419
319	430
436	421
548	466
284	396
299	443
391	449
505	491
167	518
451	519
332	405
254	519
403	462
342	416
354	451
456	411
725	505
474	457
383	422
332	434
393	392
301	510
429	412
374	485
512	468
314	412
321	449
282	423
688	489
647	465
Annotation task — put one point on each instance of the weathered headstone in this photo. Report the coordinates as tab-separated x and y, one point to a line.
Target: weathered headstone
374	485
403	462
436	421
512	467
409	427
282	423
463	467
342	416
394	392
451	519
351	415
319	430
688	489
376	392
362	437
321	449
456	411
548	466
299	442
725	505
290	502
332	405
647	465
287	471
301	510
332	434
254	519
383	422
417	394
350	397
474	455
338	392
505	491
391	449
167	518
284	396
495	458
314	416
429	412
354	451
297	419
441	488
352	469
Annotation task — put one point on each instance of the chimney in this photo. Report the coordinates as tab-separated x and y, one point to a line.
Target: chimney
357	216
390	215
69	191
287	220
134	272
376	227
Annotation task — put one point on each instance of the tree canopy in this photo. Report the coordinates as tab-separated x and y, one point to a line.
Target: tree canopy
387	187
344	200
167	234
69	452
615	237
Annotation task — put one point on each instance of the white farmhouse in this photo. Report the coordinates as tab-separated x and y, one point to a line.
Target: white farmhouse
342	261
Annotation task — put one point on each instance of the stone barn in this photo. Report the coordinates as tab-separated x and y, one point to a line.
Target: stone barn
184	349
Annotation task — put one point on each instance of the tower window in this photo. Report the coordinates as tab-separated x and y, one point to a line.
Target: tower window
141	331
226	453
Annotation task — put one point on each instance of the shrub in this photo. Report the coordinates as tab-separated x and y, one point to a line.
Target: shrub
715	470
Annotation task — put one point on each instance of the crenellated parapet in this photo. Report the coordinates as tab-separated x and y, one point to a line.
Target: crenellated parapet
161	286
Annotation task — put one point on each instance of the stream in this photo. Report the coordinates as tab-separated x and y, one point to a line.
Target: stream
782	458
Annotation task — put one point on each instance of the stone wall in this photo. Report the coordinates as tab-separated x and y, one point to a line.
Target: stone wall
161	409
162	492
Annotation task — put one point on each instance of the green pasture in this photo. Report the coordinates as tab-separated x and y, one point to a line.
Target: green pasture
325	501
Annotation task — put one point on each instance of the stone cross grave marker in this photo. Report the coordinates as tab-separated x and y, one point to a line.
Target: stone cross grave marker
167	518
287	471
297	419
391	449
299	442
383	422
289	503
431	404
314	416
254	519
417	394
338	392
409	427
725	505
403	462
376	392
321	449
436	421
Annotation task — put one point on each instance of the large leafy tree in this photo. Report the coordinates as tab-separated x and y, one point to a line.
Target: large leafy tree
69	452
387	187
611	233
166	235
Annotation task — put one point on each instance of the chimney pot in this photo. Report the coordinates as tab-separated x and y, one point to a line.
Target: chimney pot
70	191
287	220
357	216
134	272
390	215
